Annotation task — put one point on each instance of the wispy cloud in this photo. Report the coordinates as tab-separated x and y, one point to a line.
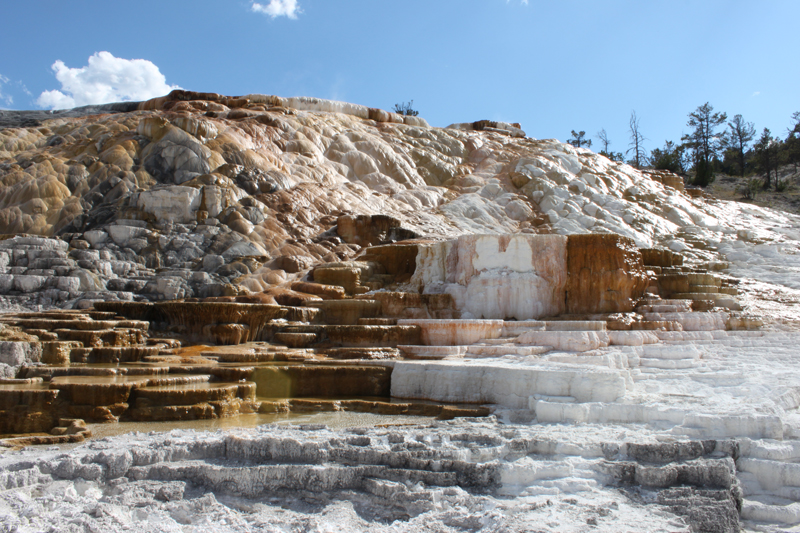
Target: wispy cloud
105	79
6	99
756	93
278	8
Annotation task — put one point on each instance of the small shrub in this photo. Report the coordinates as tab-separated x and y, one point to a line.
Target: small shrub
781	185
406	108
750	189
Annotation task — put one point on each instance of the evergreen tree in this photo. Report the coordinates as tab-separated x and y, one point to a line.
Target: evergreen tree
792	144
766	157
668	158
740	135
705	142
578	140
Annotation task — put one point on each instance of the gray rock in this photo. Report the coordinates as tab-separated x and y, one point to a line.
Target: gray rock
211	263
28	284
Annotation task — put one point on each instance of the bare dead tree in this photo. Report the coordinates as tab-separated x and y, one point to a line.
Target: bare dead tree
636	142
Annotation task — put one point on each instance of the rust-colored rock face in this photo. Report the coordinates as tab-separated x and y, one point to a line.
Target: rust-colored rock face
661	257
605	274
399	260
369	230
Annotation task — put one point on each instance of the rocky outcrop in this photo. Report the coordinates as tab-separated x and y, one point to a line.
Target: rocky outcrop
490	276
605	274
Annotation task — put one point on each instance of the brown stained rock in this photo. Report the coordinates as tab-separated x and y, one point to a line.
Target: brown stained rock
96	391
403	304
274	407
103	337
326	292
58	352
605	274
34	396
200	411
323	381
193	393
660	257
346	312
399	260
295	340
23	419
362	336
666	177
291	297
347	278
227	334
369	230
256	298
361	353
120	354
195	316
291	264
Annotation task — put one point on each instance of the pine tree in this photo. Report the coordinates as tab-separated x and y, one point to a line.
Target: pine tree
741	133
704	141
578	140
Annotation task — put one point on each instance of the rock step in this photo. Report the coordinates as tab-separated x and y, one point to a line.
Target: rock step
79	325
458	332
515	328
483	350
295	340
758	511
663	309
113	354
345	312
363	336
35	395
377	321
570	341
167	343
767	476
192	393
97	390
575	325
692	321
721	300
650	325
432	352
103	337
667	301
394	407
356	353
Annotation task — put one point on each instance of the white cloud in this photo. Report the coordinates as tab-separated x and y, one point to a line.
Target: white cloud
7	99
105	79
278	8
756	93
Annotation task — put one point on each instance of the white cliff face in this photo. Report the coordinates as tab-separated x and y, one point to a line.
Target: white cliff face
497	277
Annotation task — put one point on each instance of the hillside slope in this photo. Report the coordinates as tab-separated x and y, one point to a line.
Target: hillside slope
194	175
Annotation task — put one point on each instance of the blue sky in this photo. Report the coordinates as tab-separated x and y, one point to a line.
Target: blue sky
552	66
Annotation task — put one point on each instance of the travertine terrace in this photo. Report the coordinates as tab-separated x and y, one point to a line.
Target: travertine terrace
593	346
